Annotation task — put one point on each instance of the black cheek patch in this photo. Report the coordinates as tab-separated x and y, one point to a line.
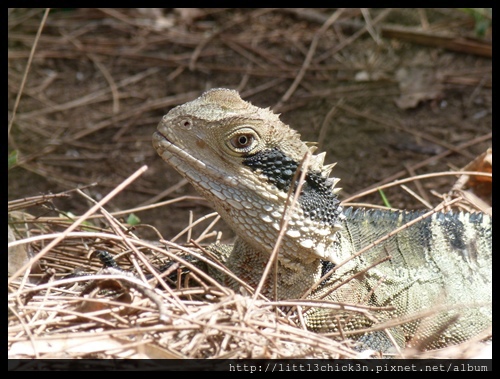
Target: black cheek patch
274	164
316	199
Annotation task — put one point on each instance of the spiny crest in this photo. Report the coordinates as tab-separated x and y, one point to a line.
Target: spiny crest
316	163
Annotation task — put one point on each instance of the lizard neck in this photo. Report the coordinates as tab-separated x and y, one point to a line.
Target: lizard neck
294	276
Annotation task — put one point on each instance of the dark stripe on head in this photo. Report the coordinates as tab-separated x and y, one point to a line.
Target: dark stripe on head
453	230
326	267
316	199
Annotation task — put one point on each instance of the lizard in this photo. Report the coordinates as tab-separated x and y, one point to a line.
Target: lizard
246	162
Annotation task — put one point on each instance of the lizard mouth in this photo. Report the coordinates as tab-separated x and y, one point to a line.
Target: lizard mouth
162	143
158	137
166	148
182	161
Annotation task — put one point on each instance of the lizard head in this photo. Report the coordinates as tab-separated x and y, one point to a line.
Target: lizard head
243	159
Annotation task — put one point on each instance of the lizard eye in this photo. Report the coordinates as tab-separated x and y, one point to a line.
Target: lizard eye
242	141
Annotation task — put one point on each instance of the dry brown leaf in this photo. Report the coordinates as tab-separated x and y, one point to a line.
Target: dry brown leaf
417	85
477	189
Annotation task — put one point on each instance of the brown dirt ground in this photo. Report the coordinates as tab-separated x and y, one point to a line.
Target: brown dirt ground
101	79
77	123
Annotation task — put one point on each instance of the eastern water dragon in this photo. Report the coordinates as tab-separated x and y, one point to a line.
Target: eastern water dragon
435	272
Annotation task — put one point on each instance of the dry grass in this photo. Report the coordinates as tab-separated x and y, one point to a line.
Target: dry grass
112	314
198	318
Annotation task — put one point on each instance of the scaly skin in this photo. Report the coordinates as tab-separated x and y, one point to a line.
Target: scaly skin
243	159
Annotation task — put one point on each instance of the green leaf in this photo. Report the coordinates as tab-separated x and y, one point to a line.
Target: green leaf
482	18
384	199
13	158
71	216
132	219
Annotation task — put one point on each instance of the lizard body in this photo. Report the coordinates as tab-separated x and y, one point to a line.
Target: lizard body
244	160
